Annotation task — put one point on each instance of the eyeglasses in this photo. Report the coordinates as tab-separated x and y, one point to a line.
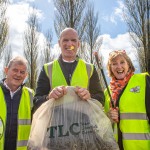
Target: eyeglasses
117	52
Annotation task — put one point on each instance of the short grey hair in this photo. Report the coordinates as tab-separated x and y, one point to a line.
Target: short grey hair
19	60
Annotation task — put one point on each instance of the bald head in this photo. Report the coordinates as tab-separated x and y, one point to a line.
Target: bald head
68	39
67	30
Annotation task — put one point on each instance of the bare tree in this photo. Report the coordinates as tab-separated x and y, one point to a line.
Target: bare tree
92	31
70	13
3	26
83	51
47	53
92	38
138	21
31	46
7	56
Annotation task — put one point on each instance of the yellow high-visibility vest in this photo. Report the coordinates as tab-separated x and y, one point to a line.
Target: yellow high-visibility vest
24	118
134	123
80	76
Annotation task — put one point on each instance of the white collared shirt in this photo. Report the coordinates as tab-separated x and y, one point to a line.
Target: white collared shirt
68	61
11	93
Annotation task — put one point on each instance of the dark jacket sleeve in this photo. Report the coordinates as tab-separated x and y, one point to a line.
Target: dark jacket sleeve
42	90
95	87
147	98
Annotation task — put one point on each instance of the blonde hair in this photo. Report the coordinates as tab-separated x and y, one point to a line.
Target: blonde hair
113	55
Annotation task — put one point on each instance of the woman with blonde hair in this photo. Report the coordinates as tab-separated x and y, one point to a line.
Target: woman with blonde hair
130	94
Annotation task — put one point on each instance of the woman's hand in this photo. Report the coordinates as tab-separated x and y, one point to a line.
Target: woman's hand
114	114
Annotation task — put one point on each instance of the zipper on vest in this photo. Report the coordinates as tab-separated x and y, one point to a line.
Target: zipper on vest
70	78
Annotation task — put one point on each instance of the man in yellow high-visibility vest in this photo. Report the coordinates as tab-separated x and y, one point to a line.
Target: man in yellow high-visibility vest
68	70
15	106
56	76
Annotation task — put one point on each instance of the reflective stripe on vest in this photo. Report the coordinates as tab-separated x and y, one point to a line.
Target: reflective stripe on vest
31	93
24	118
136	136
22	143
86	72
136	116
24	121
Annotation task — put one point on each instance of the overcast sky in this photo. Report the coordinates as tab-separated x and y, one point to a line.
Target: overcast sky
113	27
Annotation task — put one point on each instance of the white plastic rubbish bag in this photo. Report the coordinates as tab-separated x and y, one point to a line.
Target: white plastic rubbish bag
70	123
